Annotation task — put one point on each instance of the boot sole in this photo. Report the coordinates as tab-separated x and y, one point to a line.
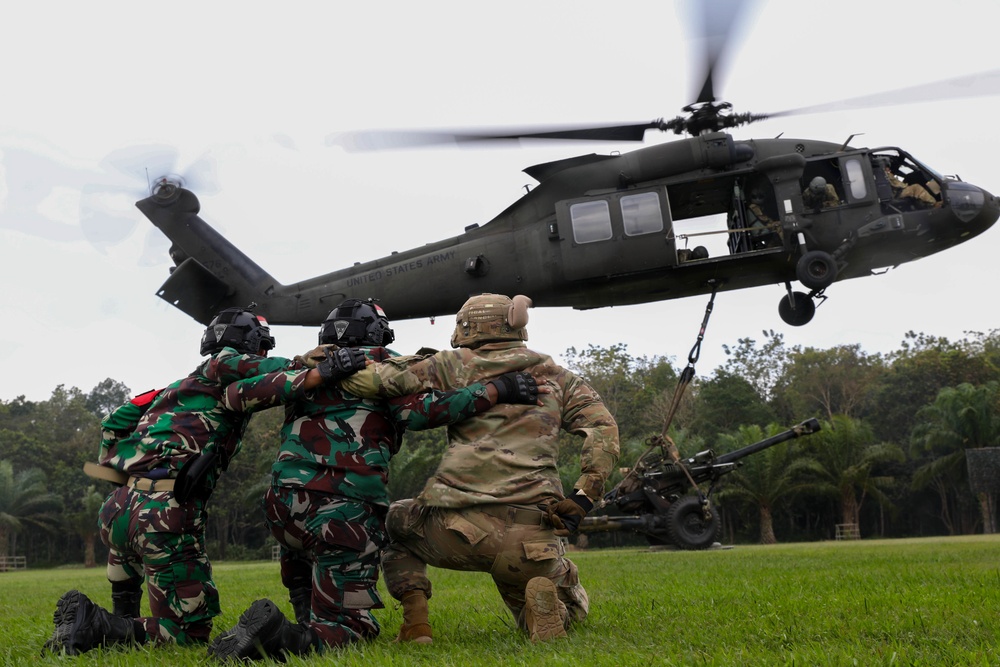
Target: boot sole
415	634
546	612
80	615
243	641
64	618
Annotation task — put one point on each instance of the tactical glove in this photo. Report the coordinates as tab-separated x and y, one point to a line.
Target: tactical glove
340	364
567	513
517	387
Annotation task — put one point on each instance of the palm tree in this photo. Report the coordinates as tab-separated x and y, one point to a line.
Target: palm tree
960	418
24	502
766	479
847	458
84	523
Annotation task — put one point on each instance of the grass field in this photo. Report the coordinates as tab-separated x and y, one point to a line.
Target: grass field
893	602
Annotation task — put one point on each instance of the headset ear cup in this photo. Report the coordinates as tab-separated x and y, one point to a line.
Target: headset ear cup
517	314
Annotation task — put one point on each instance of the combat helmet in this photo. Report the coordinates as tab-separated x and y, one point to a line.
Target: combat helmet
817	185
489	318
356	322
238	328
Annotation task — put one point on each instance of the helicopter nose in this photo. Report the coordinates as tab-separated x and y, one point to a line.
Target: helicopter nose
973	206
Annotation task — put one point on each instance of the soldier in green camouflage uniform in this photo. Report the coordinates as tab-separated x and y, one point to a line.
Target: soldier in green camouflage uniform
496	498
169	448
328	497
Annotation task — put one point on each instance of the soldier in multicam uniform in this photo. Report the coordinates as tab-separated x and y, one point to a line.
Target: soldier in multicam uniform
496	498
918	192
820	194
328	497
764	229
167	450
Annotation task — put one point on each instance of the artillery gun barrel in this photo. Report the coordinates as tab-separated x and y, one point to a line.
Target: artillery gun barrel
805	428
606	524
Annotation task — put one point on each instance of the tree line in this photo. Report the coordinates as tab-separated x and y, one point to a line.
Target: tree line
892	456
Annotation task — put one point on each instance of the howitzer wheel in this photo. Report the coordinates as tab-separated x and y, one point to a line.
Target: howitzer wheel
688	527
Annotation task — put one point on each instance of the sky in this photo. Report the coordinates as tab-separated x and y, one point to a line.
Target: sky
246	95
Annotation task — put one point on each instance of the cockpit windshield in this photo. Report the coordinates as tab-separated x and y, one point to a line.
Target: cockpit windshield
903	183
903	164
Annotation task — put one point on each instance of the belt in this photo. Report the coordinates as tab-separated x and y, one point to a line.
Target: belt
518	515
133	482
104	472
147	484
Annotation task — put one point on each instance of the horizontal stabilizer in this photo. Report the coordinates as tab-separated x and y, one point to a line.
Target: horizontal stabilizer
195	290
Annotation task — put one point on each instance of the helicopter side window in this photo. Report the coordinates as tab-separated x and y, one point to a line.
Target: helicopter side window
855	178
641	214
591	221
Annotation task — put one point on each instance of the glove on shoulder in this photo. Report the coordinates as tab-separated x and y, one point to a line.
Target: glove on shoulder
519	387
341	363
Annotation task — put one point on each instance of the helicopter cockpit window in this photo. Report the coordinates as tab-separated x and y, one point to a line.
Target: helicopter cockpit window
641	214
910	185
591	221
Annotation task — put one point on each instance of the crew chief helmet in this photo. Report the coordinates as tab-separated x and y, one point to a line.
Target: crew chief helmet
817	185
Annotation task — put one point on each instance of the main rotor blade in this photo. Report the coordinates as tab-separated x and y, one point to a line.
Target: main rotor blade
374	140
717	21
141	165
984	84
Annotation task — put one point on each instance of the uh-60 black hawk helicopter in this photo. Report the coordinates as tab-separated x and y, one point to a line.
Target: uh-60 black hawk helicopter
601	230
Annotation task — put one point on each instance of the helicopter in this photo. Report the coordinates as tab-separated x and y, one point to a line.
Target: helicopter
604	230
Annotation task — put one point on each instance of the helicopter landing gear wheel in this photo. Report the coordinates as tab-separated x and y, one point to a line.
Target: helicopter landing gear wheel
796	308
688	526
816	270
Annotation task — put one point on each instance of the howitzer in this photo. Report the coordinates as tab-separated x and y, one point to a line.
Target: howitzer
657	492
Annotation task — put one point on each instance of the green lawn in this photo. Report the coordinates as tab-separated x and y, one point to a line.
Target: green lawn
892	602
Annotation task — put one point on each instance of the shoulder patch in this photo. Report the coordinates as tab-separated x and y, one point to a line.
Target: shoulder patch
143	400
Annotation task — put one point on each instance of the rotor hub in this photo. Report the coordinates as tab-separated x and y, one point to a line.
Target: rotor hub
165	186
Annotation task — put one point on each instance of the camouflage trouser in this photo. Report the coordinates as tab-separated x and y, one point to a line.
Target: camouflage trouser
512	544
331	544
151	535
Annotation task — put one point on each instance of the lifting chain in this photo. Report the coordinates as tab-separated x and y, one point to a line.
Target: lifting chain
663	441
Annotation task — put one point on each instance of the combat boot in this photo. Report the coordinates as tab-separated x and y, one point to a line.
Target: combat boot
125	598
263	631
301	599
545	615
416	619
63	621
82	625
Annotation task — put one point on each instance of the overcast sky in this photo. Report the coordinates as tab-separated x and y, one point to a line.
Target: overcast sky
253	91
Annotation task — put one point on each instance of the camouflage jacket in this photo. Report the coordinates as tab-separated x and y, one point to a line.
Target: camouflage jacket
757	219
156	438
919	193
340	443
827	199
509	454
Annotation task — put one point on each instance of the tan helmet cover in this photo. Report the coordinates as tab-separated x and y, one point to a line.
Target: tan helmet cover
488	318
